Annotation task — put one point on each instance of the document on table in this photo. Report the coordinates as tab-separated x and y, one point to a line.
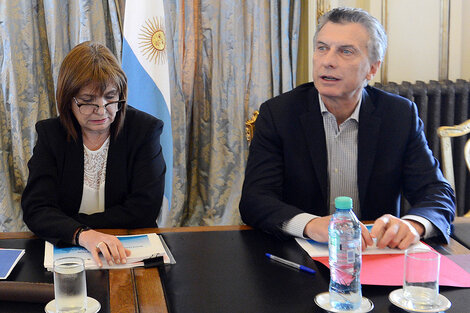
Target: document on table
319	249
387	270
142	247
8	260
385	266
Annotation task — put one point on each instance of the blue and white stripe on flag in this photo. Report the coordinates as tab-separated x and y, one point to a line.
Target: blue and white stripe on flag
144	60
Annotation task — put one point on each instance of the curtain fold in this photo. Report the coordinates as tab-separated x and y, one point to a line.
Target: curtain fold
34	38
225	57
228	57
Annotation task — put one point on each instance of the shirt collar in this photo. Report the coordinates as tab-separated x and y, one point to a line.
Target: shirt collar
354	115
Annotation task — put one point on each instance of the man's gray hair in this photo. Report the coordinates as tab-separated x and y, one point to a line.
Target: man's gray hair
377	44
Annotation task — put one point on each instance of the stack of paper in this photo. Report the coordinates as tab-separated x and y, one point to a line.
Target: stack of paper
142	247
319	249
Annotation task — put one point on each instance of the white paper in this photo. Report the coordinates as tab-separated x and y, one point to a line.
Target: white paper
142	247
318	249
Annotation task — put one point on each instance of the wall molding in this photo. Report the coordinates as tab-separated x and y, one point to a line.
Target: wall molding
444	36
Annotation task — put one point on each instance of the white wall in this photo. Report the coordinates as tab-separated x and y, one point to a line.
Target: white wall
465	33
413	52
413	30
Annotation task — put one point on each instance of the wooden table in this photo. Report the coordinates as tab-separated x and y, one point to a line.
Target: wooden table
144	287
140	289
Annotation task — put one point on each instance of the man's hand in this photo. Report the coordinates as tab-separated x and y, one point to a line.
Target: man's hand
396	233
317	229
108	245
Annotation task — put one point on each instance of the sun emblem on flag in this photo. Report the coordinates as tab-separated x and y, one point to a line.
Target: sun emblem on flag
152	40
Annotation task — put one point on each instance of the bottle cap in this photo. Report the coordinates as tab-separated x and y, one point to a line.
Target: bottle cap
343	203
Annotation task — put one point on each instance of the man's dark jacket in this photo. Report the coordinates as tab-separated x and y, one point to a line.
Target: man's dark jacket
287	166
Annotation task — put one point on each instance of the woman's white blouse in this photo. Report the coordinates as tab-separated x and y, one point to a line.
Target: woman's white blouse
94	178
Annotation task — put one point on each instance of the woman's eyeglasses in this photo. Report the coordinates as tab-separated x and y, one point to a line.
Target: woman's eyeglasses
89	108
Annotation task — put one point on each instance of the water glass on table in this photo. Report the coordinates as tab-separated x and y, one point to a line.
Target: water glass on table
421	278
70	285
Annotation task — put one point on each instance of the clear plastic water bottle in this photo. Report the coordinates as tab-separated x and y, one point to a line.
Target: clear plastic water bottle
344	244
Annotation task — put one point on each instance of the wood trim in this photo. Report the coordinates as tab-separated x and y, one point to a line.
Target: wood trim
30	235
455	130
150	290
17	235
445	133
444	40
189	229
384	68
122	292
250	126
452	248
447	160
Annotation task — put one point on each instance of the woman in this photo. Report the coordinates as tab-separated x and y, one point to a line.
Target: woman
99	164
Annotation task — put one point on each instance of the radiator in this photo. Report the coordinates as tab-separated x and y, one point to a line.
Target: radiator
442	103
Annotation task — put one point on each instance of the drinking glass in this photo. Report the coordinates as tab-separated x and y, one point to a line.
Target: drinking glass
421	278
70	285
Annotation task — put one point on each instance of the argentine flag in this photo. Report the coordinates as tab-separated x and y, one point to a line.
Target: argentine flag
144	60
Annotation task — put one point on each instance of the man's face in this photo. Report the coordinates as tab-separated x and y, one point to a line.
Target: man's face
341	62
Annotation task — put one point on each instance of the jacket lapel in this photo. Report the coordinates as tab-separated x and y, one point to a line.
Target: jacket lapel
116	168
312	126
369	126
73	172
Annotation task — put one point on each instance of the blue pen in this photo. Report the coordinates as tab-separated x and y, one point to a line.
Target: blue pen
290	263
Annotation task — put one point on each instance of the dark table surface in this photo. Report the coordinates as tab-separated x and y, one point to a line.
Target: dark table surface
461	231
30	269
227	271
218	271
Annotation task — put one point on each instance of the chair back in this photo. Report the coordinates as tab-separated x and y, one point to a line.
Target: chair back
250	126
445	133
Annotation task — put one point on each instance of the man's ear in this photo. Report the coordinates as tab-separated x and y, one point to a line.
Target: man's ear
374	67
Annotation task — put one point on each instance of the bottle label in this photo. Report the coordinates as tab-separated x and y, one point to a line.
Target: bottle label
334	252
346	255
350	256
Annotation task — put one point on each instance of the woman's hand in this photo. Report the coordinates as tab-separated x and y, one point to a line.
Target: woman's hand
111	248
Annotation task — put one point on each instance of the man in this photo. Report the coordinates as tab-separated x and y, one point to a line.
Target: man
340	137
